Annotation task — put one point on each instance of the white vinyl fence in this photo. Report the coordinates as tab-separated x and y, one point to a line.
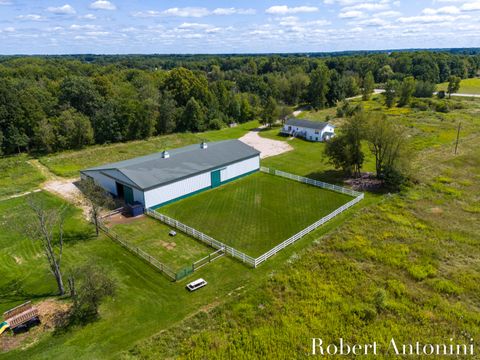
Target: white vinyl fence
254	262
202	237
305	180
358	196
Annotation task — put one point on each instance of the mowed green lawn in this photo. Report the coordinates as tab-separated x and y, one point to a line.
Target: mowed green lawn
467	86
151	235
257	212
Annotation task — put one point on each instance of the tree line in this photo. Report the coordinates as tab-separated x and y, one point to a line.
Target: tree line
49	104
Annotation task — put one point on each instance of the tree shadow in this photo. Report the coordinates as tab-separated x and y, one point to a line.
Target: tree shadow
330	176
15	291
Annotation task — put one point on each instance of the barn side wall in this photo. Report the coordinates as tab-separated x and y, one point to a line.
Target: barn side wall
183	188
177	189
238	169
103	181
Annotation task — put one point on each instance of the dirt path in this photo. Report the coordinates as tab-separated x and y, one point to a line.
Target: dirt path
64	188
267	147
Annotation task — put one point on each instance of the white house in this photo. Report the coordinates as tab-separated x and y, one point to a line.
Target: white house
157	179
309	130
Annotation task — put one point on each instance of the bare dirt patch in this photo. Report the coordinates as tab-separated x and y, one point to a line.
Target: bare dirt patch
267	147
52	313
117	219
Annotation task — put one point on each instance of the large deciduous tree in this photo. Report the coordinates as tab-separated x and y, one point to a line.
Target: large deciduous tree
367	86
97	199
45	225
318	87
453	85
406	90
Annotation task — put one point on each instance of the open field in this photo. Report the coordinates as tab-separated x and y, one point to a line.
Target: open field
405	267
17	175
151	236
145	303
69	163
257	212
467	86
402	265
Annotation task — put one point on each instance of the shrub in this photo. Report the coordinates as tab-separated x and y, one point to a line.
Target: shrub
93	286
442	106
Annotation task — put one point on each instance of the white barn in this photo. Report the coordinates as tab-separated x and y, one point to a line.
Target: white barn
309	130
158	179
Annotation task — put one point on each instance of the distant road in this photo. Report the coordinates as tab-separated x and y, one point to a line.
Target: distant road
467	95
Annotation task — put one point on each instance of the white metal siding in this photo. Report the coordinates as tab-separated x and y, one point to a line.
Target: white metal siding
240	168
172	191
104	181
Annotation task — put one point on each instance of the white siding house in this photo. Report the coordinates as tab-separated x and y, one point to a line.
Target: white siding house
157	179
309	130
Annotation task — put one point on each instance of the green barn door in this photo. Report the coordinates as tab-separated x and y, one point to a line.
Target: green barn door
215	175
128	194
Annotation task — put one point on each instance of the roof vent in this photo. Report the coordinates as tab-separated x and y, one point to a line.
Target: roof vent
203	145
165	154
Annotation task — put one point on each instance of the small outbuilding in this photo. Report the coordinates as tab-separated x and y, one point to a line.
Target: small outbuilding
308	130
157	179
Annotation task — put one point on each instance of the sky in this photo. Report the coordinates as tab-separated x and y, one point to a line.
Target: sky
248	26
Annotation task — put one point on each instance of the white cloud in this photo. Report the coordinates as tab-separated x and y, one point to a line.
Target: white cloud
84	27
146	14
232	11
194	26
103	5
450	10
88	17
368	7
31	17
351	14
471	6
9	29
5	2
387	14
284	9
62	10
428	19
187	12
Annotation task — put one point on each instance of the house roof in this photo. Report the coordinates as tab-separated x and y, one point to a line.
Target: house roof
150	171
307	124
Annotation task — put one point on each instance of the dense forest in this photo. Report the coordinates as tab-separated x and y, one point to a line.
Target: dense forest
49	104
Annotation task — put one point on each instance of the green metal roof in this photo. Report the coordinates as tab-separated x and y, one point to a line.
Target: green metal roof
150	171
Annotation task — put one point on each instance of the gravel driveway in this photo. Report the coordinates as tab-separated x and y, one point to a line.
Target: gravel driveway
267	147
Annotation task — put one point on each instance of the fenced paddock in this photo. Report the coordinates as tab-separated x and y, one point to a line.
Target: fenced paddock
331	200
149	240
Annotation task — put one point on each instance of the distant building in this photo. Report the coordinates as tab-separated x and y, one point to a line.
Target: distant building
167	176
308	130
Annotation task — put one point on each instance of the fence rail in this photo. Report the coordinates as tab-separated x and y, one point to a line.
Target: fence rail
358	197
202	237
317	183
164	269
254	262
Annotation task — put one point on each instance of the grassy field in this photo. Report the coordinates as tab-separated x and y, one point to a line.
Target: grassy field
151	236
17	175
308	159
405	267
145	303
467	86
402	265
257	212
69	163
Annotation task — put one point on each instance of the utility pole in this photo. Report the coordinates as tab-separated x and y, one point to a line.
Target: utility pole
458	134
